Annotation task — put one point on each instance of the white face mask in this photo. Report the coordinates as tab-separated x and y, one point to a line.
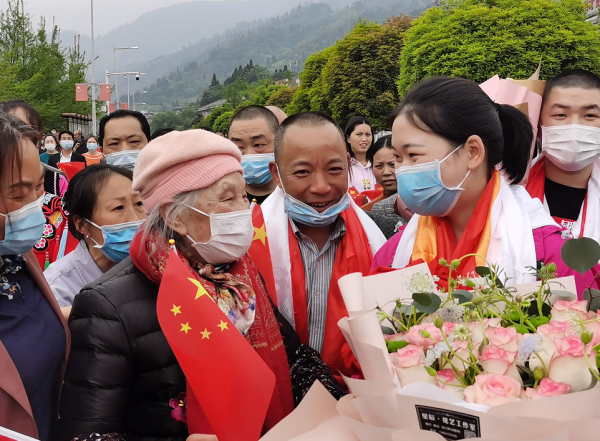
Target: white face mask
231	237
571	147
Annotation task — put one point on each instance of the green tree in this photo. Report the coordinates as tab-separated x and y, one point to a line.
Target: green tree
477	39
236	92
33	66
282	98
357	75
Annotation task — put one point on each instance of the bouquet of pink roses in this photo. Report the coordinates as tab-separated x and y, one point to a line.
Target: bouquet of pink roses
491	344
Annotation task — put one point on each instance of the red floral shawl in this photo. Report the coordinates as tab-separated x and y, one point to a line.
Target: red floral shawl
264	335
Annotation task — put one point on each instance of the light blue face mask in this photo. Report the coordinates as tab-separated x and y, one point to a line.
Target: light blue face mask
256	168
23	228
66	144
125	159
117	239
307	215
92	146
421	188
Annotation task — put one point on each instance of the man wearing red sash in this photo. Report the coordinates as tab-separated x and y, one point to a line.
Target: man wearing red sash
316	233
567	176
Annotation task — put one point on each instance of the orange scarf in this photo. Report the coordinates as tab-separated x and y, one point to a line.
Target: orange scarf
353	255
435	237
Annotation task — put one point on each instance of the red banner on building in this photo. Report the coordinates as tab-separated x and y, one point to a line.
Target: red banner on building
81	92
111	107
124	106
105	92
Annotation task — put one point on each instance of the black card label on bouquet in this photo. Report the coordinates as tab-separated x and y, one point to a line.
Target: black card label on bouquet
451	425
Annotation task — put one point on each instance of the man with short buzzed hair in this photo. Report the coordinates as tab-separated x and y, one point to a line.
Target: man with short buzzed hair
567	177
316	233
253	129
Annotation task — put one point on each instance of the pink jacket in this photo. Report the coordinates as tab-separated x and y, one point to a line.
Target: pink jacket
548	244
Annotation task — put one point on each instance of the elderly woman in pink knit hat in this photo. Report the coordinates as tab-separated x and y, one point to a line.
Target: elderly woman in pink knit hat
122	374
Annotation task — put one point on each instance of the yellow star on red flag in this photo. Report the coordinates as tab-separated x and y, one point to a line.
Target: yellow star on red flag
176	310
185	327
222	325
260	234
205	334
201	291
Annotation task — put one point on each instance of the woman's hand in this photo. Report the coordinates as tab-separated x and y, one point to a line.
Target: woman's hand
199	437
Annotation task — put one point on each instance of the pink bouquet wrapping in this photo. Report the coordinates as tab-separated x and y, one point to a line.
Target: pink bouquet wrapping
481	361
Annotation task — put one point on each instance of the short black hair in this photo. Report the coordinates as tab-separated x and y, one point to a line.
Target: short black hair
121	113
455	109
355	121
82	195
68	132
573	78
255	112
303	119
384	141
161	132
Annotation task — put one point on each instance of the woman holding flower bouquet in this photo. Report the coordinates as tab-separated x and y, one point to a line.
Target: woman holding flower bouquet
462	156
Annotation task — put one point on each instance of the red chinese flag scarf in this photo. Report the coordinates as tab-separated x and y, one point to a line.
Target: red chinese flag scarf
260	254
243	382
353	256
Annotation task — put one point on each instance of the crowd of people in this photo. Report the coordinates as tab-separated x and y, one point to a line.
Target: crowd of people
82	353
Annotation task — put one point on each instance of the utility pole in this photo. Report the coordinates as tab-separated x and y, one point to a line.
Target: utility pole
94	124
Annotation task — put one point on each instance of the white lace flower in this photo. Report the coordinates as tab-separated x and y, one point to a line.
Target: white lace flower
461	332
421	282
435	352
531	344
452	312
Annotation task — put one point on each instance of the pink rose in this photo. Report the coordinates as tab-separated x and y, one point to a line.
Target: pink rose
415	335
448	381
409	356
546	388
554	329
448	328
477	329
571	345
562	308
493	390
505	338
498	361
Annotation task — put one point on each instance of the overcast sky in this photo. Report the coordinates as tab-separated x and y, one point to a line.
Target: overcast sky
75	14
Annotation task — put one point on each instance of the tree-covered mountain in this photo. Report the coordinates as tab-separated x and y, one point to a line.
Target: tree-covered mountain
287	40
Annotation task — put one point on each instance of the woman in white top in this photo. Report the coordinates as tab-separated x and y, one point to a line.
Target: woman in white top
104	214
359	138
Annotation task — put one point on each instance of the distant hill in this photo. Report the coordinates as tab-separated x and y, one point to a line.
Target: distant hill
173	28
286	40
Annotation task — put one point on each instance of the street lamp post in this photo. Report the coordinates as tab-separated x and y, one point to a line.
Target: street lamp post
115	49
93	75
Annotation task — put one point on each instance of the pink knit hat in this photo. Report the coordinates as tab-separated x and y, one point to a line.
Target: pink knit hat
183	161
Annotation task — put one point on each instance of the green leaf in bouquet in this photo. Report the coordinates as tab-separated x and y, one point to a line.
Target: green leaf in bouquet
483	271
539	321
406	309
521	329
462	295
431	371
427	303
532	311
593	297
387	331
563	295
581	254
393	346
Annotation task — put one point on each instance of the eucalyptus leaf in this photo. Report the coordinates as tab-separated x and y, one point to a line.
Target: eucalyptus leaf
406	309
483	271
462	295
387	331
581	254
587	294
429	305
563	295
595	304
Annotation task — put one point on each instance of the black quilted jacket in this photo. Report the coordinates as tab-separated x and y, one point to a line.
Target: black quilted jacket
121	373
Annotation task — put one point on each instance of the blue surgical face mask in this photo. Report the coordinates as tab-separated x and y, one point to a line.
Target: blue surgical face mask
256	168
117	239
66	144
92	146
421	188
307	215
23	228
125	159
